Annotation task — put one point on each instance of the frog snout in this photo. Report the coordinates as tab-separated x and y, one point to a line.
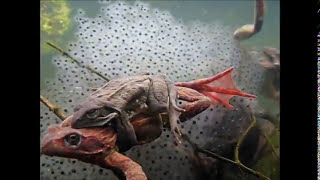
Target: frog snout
45	145
73	123
76	123
52	129
48	145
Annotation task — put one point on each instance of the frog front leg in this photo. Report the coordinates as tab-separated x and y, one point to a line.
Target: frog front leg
131	169
134	106
126	134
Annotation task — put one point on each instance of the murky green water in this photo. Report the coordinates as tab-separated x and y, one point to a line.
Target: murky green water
231	13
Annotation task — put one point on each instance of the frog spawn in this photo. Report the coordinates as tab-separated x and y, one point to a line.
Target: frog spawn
125	39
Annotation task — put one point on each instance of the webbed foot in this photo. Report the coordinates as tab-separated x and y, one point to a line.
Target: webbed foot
219	88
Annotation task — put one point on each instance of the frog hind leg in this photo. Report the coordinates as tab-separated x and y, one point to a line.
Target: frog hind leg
173	94
173	119
196	103
219	88
174	110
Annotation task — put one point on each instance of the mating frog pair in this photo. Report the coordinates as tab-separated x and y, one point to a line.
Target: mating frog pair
119	101
126	112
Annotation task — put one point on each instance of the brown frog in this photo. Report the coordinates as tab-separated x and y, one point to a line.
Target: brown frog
121	100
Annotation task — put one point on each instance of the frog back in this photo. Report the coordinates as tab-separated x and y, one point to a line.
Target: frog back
160	89
119	92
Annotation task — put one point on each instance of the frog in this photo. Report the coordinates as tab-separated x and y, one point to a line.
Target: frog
90	145
122	99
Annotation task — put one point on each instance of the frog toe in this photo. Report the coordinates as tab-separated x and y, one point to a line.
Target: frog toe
178	108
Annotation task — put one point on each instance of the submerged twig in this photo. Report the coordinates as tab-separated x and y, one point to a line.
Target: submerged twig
76	61
55	109
237	161
209	153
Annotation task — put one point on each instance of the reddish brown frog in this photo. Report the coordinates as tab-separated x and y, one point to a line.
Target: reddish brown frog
120	100
91	145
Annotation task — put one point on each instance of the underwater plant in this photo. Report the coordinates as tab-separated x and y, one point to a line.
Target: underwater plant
54	17
54	20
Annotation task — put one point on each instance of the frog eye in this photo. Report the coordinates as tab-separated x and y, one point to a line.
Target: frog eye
92	114
72	140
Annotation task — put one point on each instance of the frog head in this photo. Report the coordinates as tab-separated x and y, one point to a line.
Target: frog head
88	145
94	112
91	145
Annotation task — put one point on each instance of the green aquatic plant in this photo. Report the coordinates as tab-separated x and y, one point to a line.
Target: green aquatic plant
73	60
54	20
54	17
236	160
271	158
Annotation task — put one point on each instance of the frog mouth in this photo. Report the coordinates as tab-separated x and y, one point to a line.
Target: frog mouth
98	122
102	121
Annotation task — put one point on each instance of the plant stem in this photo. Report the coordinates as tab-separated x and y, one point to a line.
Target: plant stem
76	61
55	109
240	140
271	145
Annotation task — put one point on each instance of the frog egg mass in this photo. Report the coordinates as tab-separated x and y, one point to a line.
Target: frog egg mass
128	38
